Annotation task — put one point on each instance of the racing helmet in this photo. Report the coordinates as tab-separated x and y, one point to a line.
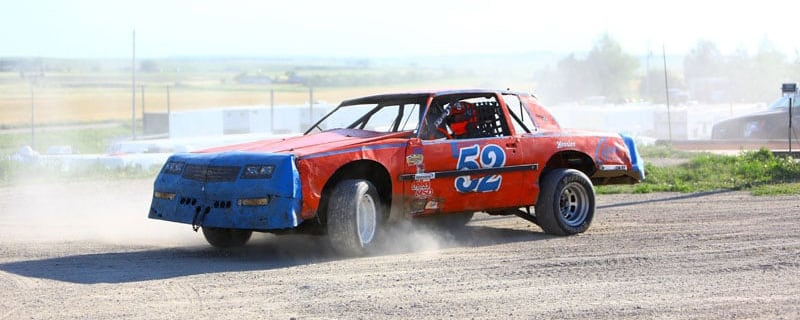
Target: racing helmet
462	118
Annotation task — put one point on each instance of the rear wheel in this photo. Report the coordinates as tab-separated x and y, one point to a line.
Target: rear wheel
566	202
226	238
355	214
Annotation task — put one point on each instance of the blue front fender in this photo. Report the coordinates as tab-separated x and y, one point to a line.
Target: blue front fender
209	189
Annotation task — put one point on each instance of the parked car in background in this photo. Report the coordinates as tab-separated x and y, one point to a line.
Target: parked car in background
772	123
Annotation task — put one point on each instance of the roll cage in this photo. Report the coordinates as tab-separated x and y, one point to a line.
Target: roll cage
428	111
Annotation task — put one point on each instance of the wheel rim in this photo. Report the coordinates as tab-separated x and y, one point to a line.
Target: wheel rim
574	204
366	219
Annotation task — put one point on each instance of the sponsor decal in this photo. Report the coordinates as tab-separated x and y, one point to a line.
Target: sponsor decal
422	189
473	158
414	159
565	144
424	176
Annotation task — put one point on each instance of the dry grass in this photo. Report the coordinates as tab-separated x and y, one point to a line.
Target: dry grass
68	105
57	103
81	96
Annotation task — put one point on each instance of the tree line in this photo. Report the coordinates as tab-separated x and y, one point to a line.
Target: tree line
607	73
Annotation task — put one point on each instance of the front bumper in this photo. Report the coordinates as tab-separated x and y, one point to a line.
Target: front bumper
210	190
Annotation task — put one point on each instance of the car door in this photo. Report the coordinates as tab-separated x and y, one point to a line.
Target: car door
467	174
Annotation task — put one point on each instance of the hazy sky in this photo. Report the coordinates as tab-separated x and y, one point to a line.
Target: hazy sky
102	28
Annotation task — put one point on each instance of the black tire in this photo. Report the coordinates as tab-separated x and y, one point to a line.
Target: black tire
355	215
566	202
226	238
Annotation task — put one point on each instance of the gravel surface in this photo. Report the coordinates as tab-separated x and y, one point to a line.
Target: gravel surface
87	250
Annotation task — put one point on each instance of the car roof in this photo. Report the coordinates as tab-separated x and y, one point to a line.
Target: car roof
418	95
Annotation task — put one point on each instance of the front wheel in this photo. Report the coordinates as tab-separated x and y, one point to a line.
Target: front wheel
355	213
226	238
566	202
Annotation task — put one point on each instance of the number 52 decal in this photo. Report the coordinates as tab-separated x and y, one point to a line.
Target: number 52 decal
473	158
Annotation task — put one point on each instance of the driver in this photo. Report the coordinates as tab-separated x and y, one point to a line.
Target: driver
462	119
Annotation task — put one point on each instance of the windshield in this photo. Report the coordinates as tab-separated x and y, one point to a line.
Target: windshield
783	102
379	117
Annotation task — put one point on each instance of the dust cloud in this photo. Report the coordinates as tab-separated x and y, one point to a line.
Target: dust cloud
414	236
114	212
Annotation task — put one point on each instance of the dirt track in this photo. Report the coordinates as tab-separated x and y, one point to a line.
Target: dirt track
86	250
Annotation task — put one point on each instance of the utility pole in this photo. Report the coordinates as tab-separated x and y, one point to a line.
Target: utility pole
168	101
789	89
272	110
647	82
311	105
133	88
143	115
790	125
33	125
666	88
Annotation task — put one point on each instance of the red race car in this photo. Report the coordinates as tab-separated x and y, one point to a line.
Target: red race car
372	160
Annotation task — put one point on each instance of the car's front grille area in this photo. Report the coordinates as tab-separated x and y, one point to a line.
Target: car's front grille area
211	173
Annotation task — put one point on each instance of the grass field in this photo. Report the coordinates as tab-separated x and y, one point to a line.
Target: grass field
58	104
759	171
80	93
86	140
91	92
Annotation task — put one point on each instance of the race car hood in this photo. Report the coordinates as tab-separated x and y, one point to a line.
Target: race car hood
312	143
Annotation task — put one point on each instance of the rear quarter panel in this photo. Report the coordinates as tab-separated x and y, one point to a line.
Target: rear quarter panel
608	152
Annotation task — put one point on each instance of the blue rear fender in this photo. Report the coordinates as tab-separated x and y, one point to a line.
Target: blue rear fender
637	165
215	190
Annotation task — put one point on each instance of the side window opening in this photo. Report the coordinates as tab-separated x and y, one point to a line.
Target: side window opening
465	117
522	120
433	127
491	122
